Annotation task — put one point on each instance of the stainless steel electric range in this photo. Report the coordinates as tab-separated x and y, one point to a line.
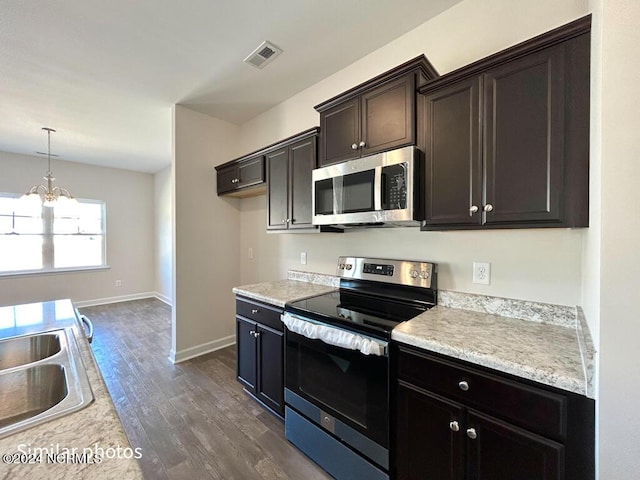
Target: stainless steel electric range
337	363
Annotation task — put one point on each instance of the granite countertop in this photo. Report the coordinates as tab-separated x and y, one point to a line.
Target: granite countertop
549	344
297	286
552	350
95	427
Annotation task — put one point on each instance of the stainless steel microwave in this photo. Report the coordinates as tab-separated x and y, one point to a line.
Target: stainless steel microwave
378	190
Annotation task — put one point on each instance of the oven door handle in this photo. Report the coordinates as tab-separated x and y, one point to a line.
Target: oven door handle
335	336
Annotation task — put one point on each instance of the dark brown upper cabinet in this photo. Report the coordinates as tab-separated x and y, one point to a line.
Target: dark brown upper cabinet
375	116
289	169
242	177
507	138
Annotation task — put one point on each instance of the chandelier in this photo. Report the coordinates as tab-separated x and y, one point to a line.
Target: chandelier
48	194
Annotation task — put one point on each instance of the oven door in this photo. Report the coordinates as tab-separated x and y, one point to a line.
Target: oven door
345	383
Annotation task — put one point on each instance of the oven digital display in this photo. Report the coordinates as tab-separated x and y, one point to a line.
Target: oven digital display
378	269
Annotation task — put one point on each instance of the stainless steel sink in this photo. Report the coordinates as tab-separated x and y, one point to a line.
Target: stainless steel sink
28	392
22	350
42	378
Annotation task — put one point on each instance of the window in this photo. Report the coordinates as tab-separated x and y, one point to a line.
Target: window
67	236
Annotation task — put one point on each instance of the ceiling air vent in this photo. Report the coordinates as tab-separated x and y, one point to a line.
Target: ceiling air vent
262	55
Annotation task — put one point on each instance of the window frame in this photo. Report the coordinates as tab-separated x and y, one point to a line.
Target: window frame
48	253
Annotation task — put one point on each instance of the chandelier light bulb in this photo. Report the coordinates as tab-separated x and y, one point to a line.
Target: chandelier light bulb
48	194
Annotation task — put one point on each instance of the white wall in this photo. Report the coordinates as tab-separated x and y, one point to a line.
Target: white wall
163	190
619	360
206	235
130	231
542	265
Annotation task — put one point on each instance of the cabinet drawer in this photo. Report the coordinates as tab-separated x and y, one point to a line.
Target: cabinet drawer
260	312
530	407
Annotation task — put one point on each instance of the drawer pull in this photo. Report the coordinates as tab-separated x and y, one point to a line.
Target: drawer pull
454	426
256	310
464	385
471	433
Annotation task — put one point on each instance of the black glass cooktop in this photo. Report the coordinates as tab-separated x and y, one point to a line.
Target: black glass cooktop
356	311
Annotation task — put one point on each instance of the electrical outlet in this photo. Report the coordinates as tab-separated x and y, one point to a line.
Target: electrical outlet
303	258
482	273
118	283
250	252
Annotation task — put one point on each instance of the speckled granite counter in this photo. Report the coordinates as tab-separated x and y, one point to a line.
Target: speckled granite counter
549	344
298	285
549	347
94	427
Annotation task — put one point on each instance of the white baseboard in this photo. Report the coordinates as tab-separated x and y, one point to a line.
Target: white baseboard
120	298
192	352
163	298
123	298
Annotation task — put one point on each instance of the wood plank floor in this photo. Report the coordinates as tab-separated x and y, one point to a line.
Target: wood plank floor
192	420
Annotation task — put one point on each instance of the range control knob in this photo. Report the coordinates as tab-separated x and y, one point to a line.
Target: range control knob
348	266
424	274
414	273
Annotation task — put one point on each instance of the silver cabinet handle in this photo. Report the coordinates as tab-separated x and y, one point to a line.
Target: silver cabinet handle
464	385
362	144
84	319
255	310
454	426
256	334
288	220
488	207
354	146
252	332
284	221
473	209
471	433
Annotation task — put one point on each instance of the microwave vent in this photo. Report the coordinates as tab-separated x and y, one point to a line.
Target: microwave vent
264	54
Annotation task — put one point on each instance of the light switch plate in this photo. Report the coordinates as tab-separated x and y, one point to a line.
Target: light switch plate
303	258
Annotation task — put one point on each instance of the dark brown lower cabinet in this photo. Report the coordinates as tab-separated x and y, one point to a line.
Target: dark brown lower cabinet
498	450
429	448
454	421
259	353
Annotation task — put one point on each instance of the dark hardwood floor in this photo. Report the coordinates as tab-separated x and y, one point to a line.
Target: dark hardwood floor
192	420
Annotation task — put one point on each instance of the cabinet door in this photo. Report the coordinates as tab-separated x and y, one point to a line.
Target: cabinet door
270	369
246	353
302	160
251	171
524	139
453	162
340	130
501	451
226	179
427	445
277	191
388	116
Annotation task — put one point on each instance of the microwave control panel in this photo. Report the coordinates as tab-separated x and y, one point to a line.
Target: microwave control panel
394	187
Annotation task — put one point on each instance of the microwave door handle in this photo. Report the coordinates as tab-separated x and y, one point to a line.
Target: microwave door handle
377	189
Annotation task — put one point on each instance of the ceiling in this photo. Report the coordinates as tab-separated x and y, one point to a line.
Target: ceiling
105	74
